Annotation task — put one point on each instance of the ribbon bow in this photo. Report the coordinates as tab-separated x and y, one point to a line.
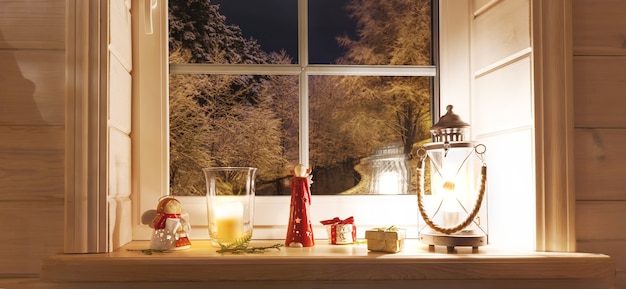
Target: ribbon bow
336	220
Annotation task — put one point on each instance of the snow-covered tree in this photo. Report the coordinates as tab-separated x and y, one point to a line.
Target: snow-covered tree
190	131
222	119
282	94
198	26
388	109
329	145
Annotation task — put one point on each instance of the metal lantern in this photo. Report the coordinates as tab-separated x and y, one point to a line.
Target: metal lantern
454	211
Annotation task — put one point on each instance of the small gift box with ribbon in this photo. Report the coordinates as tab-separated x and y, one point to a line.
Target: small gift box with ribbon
390	239
340	231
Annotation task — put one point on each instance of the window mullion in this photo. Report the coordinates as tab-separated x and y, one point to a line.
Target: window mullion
303	91
296	69
240	69
372	70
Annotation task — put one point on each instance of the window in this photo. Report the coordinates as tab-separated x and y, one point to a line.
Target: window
470	107
309	91
350	102
551	126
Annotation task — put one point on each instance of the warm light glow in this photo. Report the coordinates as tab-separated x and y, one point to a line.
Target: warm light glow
452	187
450	206
453	181
389	183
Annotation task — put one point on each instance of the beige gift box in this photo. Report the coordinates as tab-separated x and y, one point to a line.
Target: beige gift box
385	240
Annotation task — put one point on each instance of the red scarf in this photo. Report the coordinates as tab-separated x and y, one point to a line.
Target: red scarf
161	218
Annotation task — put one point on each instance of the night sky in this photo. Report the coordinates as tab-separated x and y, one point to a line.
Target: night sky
274	24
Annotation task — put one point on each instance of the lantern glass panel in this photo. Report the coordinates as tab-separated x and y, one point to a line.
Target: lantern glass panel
455	186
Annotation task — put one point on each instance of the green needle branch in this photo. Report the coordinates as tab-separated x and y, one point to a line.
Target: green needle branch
242	246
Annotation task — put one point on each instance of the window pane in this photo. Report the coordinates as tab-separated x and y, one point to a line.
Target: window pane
370	32
328	19
232	120
362	129
234	31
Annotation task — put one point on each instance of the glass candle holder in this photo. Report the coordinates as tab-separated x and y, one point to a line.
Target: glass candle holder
230	203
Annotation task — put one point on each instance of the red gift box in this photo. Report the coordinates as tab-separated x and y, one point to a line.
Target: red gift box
340	232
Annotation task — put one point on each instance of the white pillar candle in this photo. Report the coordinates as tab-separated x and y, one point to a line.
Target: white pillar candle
229	221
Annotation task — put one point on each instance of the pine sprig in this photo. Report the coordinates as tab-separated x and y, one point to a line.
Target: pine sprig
241	246
149	251
242	250
392	228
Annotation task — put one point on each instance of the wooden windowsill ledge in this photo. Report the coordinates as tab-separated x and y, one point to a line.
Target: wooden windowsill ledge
333	266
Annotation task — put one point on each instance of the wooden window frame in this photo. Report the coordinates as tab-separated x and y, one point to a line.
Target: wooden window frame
86	205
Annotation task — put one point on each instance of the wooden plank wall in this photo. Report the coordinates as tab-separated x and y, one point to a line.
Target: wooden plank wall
119	124
599	35
502	115
32	117
32	46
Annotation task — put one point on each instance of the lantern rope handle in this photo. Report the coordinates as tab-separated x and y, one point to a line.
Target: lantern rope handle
420	192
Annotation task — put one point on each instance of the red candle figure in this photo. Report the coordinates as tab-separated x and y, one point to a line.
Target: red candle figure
300	230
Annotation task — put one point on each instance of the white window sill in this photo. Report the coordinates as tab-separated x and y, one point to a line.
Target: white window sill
334	266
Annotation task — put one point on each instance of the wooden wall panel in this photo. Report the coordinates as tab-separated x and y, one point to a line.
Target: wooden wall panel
620	280
32	133
613	248
504	95
120	227
32	138
599	85
478	5
607	247
32	24
500	32
119	121
119	96
32	87
600	164
119	164
31	163
465	284
454	58
31	174
510	192
31	230
599	72
599	27
502	116
601	221
120	32
599	229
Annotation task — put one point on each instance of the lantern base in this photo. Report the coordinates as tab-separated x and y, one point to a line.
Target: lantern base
463	239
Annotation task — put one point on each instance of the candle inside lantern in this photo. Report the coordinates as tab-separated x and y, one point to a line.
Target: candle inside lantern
450	209
228	222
